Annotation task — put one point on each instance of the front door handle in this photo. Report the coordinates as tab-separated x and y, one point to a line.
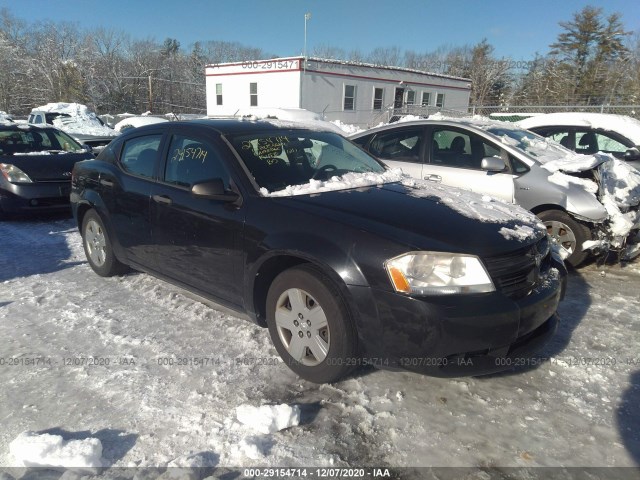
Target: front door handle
434	178
106	183
162	199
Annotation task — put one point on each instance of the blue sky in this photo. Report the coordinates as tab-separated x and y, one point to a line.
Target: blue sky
516	29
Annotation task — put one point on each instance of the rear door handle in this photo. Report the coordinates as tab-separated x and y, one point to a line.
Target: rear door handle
106	183
162	199
433	178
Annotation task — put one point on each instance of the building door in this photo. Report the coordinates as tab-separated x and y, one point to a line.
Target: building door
399	98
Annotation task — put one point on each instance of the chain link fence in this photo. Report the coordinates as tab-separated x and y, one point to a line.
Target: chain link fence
520	112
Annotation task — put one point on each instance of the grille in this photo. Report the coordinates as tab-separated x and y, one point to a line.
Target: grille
516	274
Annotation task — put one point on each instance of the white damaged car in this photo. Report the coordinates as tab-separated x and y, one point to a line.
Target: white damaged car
589	203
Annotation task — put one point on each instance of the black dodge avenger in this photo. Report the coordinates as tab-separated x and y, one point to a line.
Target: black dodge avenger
346	262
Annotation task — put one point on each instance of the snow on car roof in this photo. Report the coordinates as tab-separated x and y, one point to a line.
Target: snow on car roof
289	118
81	120
627	126
137	121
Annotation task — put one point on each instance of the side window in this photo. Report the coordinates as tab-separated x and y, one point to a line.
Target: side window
562	136
610	145
402	145
453	148
139	155
191	161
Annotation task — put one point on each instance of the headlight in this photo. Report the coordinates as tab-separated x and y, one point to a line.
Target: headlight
14	174
437	273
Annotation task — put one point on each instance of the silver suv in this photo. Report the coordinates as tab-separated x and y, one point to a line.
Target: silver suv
588	203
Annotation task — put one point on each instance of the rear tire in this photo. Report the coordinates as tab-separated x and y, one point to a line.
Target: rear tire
98	248
310	325
567	233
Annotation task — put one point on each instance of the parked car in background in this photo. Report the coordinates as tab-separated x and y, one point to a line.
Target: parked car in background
76	120
35	168
576	197
345	261
5	118
589	133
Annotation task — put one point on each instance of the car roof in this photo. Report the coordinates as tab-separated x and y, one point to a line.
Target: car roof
25	126
232	125
472	124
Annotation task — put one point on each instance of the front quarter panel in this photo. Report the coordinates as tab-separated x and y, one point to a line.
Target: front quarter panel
534	190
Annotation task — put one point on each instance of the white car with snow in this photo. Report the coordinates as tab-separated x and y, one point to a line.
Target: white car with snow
588	133
586	202
76	120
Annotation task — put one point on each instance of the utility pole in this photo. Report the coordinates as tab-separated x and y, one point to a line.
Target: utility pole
150	96
307	16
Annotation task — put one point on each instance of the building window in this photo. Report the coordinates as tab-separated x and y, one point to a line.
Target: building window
253	94
349	97
218	94
426	99
440	100
378	98
411	97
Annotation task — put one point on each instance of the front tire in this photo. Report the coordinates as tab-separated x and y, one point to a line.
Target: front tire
568	233
310	325
98	248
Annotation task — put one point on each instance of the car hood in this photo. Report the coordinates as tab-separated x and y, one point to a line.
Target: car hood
46	166
426	216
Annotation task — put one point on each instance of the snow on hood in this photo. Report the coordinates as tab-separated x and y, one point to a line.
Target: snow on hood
481	207
469	204
81	121
342	182
626	126
137	121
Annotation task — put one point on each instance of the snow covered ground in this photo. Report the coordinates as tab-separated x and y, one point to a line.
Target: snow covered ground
157	377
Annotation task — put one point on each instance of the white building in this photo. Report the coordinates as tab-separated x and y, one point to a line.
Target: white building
355	93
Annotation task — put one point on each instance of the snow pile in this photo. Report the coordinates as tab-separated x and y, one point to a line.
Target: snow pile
31	449
5	119
268	418
81	121
342	182
409	118
347	128
137	121
621	182
519	232
252	447
481	207
564	180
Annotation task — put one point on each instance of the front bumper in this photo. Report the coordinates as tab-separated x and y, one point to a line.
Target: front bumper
35	197
456	335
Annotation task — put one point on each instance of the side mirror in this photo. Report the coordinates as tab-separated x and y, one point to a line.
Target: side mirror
213	189
492	164
87	148
632	154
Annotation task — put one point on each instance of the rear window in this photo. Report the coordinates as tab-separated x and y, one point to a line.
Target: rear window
30	142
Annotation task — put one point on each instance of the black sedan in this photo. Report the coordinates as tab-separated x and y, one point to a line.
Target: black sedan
346	262
35	168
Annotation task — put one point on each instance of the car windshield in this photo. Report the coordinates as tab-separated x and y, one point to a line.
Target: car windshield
538	147
32	141
281	158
